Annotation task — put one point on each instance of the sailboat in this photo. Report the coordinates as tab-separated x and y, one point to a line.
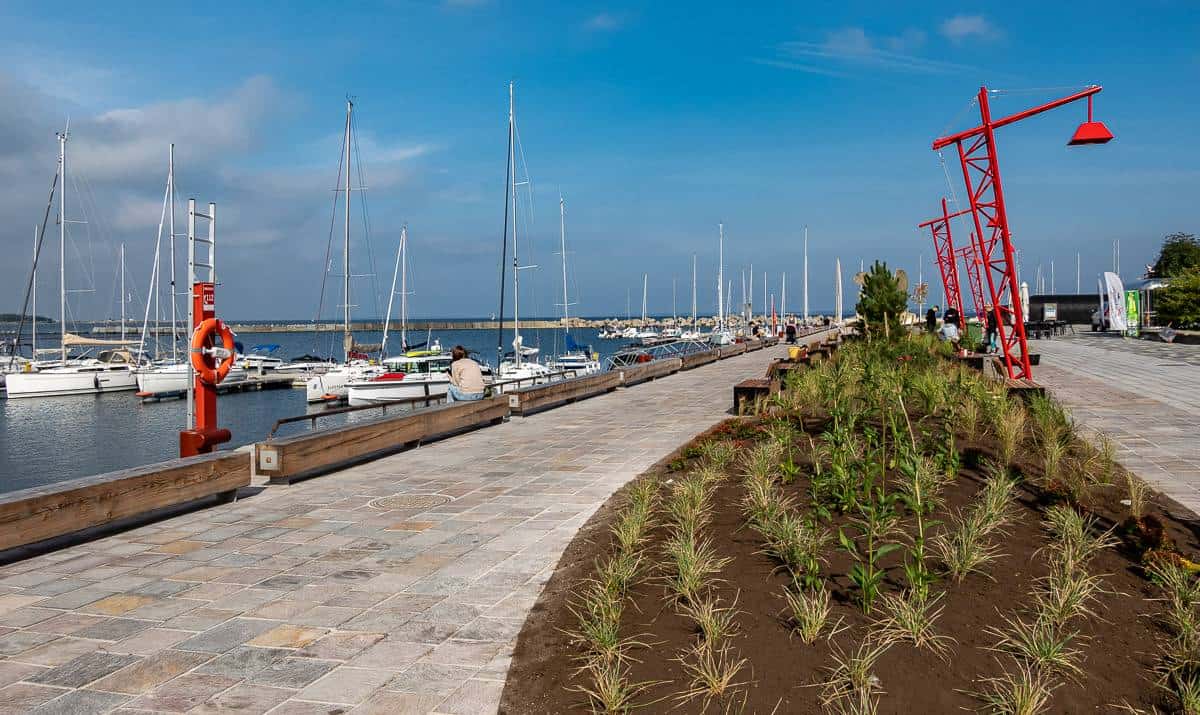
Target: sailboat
692	333
645	335
577	359
517	365
331	386
674	331
110	371
721	334
411	372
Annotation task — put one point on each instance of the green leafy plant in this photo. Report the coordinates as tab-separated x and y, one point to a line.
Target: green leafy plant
875	524
881	302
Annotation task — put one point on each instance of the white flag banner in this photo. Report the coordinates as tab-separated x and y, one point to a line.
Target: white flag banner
1116	302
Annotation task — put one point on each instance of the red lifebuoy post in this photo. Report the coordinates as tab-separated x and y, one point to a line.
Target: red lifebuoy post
209	370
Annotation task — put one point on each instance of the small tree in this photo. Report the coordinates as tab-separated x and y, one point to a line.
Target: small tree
1179	303
882	298
1180	252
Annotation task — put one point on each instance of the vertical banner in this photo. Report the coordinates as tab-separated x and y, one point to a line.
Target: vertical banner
1115	291
1131	313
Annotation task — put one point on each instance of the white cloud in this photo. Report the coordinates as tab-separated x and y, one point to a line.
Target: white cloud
605	22
853	48
961	28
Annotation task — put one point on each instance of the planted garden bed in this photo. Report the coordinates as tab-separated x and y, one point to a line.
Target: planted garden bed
893	534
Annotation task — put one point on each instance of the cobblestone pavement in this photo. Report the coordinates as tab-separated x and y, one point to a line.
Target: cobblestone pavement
316	598
1144	395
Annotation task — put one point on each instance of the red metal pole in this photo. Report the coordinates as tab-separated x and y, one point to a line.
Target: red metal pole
977	131
204	435
971	261
943	246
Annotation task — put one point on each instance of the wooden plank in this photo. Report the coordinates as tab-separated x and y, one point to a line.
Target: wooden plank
697	359
753	344
530	399
771	341
727	351
306	455
634	374
32	515
747	392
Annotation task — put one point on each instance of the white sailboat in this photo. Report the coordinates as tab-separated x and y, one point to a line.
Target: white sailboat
576	358
692	333
331	386
110	371
518	366
645	335
721	334
411	373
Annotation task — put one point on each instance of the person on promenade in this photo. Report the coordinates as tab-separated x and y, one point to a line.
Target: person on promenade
790	331
931	320
466	379
951	316
990	329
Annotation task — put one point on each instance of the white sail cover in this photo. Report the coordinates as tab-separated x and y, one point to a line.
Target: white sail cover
1115	291
71	339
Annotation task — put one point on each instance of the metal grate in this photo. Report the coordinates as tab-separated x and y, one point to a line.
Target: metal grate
409	501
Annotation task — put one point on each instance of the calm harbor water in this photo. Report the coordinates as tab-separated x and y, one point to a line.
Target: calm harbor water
51	439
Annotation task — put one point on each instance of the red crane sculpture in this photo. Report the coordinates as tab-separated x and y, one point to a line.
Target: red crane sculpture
981	174
947	257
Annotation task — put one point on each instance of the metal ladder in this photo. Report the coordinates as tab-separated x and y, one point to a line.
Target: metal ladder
194	266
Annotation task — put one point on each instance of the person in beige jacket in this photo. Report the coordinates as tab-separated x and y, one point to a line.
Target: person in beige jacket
466	379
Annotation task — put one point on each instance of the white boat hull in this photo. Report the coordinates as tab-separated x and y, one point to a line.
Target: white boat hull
66	381
175	379
374	392
333	385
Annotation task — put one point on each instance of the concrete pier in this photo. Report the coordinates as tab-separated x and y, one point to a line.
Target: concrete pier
396	586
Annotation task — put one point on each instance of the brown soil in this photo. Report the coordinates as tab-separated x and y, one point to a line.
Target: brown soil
781	670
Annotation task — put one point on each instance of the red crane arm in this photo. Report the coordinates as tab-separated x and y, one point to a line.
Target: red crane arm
954	138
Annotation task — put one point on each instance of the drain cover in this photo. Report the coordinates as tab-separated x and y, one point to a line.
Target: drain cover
409	501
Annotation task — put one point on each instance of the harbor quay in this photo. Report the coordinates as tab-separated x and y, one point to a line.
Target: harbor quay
395	586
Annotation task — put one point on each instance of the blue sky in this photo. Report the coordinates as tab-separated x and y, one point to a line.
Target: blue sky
655	120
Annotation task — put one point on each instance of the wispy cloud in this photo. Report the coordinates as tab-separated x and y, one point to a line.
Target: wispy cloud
961	28
605	22
852	48
798	67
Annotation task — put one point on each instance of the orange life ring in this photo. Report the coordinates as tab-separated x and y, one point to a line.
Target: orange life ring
201	360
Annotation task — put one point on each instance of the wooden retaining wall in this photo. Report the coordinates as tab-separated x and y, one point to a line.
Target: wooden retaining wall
634	374
539	397
697	359
305	455
32	515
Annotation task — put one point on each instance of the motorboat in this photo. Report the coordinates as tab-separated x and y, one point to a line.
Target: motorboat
332	386
260	359
173	377
417	373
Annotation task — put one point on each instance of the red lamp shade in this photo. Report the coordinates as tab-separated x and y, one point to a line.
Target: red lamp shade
1091	133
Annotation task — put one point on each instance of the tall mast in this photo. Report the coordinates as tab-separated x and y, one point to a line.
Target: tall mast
720	276
837	293
171	203
35	315
693	292
512	163
765	314
122	292
750	296
347	338
562	237
806	272
674	310
387	320
403	287
783	299
62	242
645	279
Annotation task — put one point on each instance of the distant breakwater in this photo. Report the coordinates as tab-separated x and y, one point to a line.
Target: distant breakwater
418	325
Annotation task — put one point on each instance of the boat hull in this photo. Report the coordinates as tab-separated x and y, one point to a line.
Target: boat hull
376	392
53	383
175	379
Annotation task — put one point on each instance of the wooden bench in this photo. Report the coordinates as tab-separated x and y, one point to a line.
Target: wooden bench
633	374
290	459
1025	389
747	393
696	359
28	516
530	399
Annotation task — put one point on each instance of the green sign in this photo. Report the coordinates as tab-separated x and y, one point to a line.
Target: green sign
1131	312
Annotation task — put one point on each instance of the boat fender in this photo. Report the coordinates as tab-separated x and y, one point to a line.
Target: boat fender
223	355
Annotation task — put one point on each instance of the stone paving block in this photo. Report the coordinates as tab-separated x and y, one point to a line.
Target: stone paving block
292	672
149	641
227	636
341	646
145	674
246	699
387	702
21	641
244	661
117	604
431	678
200	619
183	693
81	702
287	636
474	697
58	651
67	624
346	685
389	654
21	698
114	629
461	652
84	669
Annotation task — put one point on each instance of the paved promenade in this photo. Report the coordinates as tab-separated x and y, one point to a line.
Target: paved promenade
328	597
1144	395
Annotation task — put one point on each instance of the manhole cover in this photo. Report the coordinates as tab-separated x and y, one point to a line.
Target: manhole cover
409	501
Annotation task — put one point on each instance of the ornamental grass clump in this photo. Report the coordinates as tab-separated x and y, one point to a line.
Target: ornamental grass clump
1038	644
609	689
717	452
852	687
1009	426
694	566
1026	691
967	545
809	611
712	677
911	618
